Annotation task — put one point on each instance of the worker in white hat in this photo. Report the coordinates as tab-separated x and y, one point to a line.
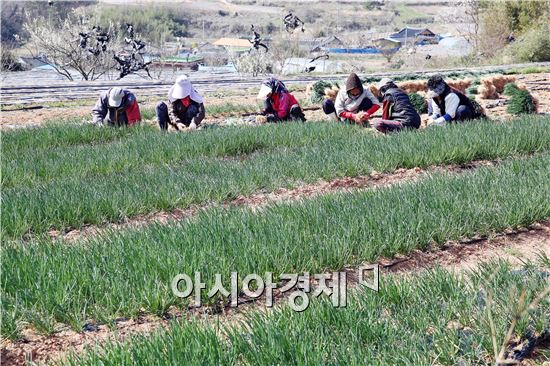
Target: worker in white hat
185	108
116	107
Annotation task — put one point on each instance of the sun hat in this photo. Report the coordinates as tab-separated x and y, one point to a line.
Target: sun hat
115	97
183	88
264	92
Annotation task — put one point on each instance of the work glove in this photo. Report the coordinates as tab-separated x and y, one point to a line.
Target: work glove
193	125
261	119
440	121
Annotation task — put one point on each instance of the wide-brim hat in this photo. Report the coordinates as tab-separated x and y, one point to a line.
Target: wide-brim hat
181	88
115	97
264	91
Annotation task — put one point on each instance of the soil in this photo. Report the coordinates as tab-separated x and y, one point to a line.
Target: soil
514	246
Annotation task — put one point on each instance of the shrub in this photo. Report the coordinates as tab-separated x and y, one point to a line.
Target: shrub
374	5
521	103
397	64
534	46
255	63
419	103
9	61
157	24
421	20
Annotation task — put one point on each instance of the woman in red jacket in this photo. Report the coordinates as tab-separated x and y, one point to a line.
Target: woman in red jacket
279	103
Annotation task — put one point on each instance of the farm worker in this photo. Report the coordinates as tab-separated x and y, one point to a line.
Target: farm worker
447	104
185	106
354	103
116	107
279	103
397	111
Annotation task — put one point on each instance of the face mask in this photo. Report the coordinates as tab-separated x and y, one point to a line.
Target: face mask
354	97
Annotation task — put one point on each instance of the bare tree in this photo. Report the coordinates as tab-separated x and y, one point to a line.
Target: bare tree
470	20
494	32
60	45
254	63
284	47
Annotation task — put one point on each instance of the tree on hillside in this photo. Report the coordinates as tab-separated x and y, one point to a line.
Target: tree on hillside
489	26
15	13
522	15
470	20
63	46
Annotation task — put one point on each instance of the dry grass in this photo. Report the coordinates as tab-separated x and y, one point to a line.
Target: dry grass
500	81
374	90
461	85
491	87
414	86
331	93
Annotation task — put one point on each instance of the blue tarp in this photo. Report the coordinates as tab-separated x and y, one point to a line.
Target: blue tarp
368	50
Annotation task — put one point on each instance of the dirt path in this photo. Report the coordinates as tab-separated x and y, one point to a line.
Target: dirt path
514	246
261	199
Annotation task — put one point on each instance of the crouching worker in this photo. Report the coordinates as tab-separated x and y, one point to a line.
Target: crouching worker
116	107
185	107
279	103
447	104
355	103
397	111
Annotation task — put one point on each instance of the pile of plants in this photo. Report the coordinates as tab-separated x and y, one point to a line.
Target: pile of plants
419	103
521	101
318	90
